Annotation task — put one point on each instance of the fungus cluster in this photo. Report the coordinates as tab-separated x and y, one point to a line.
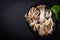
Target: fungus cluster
40	19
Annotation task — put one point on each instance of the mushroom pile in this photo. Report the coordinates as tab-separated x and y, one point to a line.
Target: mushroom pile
40	19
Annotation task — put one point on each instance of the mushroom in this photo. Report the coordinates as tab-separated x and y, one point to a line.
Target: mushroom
40	20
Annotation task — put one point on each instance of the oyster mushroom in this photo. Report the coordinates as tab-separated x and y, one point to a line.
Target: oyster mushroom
40	19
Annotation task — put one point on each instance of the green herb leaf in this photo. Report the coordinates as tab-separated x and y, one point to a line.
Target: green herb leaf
56	10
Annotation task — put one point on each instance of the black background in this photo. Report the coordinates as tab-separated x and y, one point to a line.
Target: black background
13	25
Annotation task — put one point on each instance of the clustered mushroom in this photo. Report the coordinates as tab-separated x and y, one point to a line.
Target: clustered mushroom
40	19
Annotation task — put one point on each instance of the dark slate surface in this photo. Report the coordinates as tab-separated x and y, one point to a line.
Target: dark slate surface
13	25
